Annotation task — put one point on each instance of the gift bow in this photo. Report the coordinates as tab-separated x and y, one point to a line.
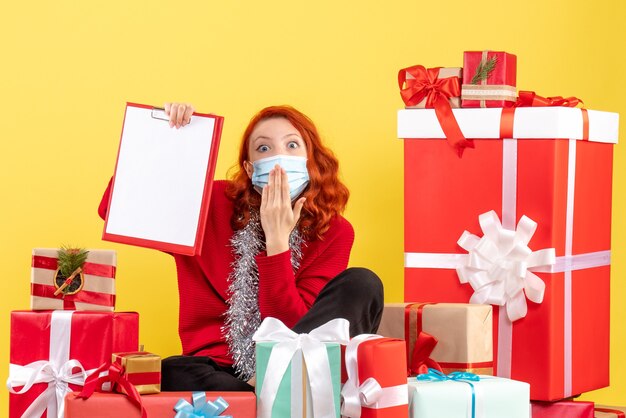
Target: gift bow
116	375
500	264
532	99
58	379
201	408
462	377
315	358
425	84
420	359
369	393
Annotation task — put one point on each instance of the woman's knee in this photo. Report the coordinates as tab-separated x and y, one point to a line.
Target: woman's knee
363	282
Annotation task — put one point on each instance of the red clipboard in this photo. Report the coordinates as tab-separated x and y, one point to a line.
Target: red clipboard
163	180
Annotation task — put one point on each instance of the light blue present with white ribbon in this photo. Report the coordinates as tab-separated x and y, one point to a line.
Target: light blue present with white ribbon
299	375
466	395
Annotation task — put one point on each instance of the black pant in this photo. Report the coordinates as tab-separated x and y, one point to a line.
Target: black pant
355	294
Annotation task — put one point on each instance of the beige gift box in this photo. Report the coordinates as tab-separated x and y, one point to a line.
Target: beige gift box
444	72
91	290
464	332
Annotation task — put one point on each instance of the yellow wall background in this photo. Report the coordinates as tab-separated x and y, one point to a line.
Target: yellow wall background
68	67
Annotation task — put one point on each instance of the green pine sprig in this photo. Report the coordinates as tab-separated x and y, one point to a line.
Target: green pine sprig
484	69
69	259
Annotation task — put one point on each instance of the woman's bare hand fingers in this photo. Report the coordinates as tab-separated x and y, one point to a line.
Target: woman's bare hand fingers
179	113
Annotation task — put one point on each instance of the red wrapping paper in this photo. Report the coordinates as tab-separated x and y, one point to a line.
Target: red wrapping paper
444	196
383	359
562	409
502	78
160	405
94	338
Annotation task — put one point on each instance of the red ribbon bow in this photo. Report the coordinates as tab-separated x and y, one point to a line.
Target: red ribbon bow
117	377
426	84
420	360
532	99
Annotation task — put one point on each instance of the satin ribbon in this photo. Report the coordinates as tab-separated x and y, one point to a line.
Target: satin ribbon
461	377
368	394
69	301
420	358
532	99
427	86
115	374
201	408
617	412
315	358
94	269
500	265
56	372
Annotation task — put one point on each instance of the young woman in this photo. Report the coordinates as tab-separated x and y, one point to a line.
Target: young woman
275	245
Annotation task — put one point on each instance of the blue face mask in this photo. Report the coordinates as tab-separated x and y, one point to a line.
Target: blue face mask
295	167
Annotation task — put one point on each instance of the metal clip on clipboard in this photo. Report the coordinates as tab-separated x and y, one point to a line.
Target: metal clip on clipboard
159	113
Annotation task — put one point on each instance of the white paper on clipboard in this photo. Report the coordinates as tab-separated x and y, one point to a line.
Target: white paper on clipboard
160	181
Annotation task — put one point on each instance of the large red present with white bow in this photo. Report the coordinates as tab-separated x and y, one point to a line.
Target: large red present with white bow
53	352
524	217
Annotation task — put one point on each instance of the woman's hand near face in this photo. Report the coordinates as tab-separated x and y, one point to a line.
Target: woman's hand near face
278	218
179	114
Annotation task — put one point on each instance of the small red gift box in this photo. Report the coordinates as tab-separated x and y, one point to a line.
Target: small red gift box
564	186
53	352
94	286
377	384
488	79
561	409
161	405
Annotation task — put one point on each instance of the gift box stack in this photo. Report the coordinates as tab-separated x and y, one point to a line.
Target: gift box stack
72	343
508	204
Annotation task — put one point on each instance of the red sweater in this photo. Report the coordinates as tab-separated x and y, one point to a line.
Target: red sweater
203	280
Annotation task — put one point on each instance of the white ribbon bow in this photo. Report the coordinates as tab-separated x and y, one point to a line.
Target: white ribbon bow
369	394
500	265
58	380
315	357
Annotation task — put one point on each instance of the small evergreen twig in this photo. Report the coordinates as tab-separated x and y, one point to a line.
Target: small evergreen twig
69	259
484	69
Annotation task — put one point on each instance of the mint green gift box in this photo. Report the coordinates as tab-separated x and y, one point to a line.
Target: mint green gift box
294	392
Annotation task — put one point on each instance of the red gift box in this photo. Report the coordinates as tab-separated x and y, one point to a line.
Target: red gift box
498	88
54	351
561	346
376	386
160	405
561	409
97	282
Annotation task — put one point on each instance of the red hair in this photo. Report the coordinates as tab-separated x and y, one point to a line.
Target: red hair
326	196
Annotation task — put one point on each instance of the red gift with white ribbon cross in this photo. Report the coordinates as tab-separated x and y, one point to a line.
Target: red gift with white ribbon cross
53	353
550	169
376	385
94	286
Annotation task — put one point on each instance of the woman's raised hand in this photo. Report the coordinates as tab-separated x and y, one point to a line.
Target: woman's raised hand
278	218
179	114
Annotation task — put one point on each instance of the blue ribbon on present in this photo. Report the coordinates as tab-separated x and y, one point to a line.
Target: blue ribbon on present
201	408
461	377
